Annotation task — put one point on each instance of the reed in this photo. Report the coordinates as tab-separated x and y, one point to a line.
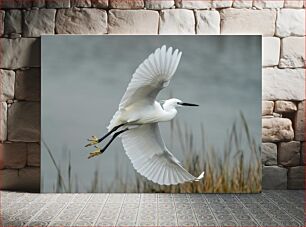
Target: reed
236	169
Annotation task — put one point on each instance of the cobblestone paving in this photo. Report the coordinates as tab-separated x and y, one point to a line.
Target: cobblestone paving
270	208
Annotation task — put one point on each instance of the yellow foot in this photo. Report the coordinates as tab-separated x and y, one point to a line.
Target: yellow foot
95	152
92	141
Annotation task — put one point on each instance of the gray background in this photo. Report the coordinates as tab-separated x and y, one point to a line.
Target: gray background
84	78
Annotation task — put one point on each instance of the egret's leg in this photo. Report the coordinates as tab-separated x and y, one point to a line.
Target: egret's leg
94	140
100	151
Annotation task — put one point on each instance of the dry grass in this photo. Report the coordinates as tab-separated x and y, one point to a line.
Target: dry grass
236	169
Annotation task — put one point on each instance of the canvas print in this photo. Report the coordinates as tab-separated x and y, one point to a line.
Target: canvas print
178	114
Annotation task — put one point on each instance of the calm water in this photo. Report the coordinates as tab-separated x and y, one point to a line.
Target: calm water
84	78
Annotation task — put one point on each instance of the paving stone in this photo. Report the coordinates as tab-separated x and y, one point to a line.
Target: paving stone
261	4
277	129
99	3
293	52
269	154
55	4
27	86
3	121
221	3
2	15
283	84
178	21
24	122
299	122
303	153
7	81
290	22
248	21
13	21
39	22
191	4
20	53
285	106
242	4
296	178
208	22
138	22
13	155
26	179
126	4
33	158
80	3
270	51
274	177
159	4
81	21
289	153
293	3
267	108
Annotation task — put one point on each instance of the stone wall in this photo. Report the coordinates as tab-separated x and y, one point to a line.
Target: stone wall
281	22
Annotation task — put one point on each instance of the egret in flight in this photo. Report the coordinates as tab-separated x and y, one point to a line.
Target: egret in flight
136	121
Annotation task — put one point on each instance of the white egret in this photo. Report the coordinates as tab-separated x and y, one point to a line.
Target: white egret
138	116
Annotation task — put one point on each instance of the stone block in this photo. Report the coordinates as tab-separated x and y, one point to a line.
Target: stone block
293	4
159	4
126	4
80	3
293	52
191	4
13	22
285	106
261	4
13	155
221	3
99	3
269	154
24	122
270	51
267	108
3	121
283	84
290	22
277	129
208	22
15	4
38	3
27	85
303	153
242	4
133	22
177	21
7	81
39	22
56	4
299	122
289	153
2	15
248	21
296	177
274	177
81	21
20	53
26	179
33	158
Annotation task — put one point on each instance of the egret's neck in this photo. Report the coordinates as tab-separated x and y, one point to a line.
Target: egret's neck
169	107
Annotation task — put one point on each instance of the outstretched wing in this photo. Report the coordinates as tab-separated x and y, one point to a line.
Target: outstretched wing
151	76
150	157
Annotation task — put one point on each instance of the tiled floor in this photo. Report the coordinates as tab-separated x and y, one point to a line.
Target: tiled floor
270	208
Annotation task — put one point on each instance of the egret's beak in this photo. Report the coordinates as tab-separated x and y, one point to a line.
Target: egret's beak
188	104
